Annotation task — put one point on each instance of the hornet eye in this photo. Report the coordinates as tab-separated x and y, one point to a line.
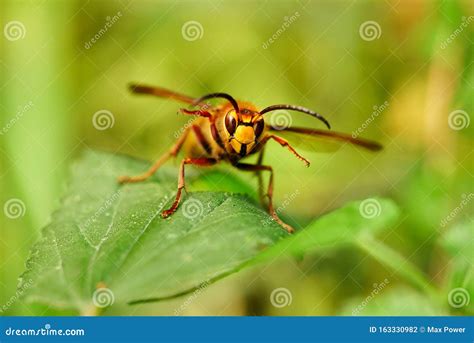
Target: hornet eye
258	127
230	122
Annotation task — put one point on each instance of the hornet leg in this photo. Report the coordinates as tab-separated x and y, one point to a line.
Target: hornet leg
271	210
181	184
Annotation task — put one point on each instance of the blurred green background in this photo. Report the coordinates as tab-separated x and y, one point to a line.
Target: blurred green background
319	54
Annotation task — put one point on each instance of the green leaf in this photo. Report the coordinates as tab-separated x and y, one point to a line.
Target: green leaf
112	236
340	227
109	236
219	181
